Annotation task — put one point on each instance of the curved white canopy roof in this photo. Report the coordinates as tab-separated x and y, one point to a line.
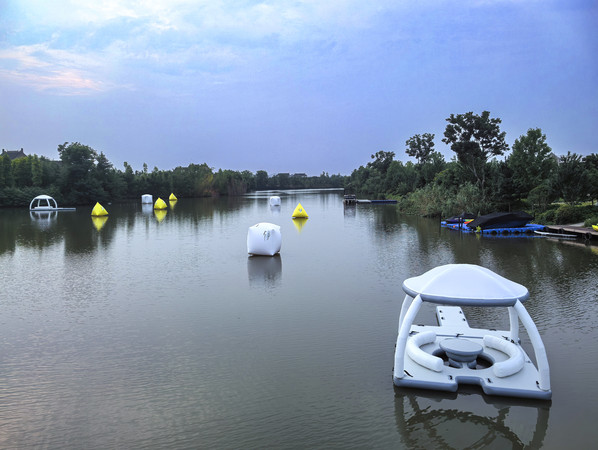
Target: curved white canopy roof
48	203
465	285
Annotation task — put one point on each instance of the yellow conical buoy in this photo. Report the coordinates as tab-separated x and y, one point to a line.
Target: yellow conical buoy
160	204
299	212
98	210
172	197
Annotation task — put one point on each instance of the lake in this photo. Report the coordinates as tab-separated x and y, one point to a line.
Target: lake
159	331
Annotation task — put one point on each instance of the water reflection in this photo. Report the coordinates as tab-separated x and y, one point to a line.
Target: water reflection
81	236
147	208
300	223
275	209
163	318
43	219
469	420
350	210
160	214
264	271
99	221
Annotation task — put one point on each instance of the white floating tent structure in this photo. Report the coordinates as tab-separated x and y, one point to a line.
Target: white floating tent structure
46	203
444	356
147	198
264	239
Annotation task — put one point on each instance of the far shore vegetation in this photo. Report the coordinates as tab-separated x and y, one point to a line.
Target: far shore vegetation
484	176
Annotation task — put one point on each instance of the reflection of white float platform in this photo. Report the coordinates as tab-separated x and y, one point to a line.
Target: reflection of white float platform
452	353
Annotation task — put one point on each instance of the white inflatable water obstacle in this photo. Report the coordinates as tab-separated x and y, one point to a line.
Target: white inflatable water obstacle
160	204
264	239
274	200
299	212
46	203
98	210
147	198
444	356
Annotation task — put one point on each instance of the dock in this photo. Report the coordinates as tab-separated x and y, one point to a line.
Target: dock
528	229
352	200
580	232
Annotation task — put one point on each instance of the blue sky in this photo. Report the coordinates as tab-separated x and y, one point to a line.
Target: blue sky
290	86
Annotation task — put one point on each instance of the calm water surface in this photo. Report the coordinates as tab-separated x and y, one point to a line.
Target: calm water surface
161	332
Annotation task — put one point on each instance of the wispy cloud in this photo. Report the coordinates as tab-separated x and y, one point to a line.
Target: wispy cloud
160	30
114	43
46	69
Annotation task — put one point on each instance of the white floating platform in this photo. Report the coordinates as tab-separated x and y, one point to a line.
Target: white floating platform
46	203
443	357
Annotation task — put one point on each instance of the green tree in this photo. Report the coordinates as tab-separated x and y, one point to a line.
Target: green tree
194	180
432	166
531	161
248	180
6	179
21	169
104	173
502	189
381	162
541	196
50	171
261	180
129	179
591	166
284	180
571	178
159	182
229	182
475	139
402	179
36	171
77	184
420	147
78	160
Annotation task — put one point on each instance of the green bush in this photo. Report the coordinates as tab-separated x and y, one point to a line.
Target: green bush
436	201
540	197
20	197
568	214
573	214
593	220
546	217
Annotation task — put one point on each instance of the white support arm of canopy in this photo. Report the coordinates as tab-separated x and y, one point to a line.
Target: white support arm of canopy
404	327
537	343
514	321
404	307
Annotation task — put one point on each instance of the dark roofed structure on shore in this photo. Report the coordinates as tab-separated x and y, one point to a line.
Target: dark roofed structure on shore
13	154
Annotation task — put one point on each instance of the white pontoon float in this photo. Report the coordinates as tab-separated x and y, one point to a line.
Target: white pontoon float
444	356
46	203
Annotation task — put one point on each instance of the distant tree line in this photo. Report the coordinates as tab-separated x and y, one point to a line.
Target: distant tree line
531	177
482	176
84	176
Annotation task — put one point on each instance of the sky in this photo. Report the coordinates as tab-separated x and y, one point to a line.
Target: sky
299	86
